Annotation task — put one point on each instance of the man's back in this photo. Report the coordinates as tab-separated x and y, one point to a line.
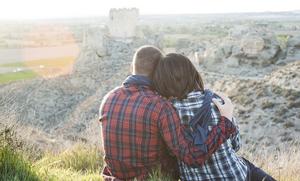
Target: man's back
132	141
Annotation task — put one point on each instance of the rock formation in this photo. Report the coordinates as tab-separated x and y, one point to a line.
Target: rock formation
293	49
255	49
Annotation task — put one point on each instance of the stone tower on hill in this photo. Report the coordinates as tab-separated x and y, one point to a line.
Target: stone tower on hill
122	22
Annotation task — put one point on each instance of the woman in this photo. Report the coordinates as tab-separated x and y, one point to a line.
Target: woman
177	79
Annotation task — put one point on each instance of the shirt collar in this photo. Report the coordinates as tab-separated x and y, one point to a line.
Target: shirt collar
139	80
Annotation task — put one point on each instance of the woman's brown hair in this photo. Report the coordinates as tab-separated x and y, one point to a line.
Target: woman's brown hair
176	76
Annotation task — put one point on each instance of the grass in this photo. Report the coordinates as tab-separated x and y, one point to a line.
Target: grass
80	162
15	76
283	163
282	39
14	167
32	68
13	164
84	162
15	64
54	62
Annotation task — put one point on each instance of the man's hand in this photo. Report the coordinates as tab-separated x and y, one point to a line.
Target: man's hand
225	109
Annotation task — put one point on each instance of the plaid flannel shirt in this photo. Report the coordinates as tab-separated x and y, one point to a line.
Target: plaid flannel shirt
137	124
224	164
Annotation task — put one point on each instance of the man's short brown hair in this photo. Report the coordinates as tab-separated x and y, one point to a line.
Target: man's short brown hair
145	60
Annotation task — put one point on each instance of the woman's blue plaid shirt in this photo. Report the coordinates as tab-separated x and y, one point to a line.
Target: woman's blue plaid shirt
224	164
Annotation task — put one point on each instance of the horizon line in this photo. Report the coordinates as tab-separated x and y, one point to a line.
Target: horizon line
142	14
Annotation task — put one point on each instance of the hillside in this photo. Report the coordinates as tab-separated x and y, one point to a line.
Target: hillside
253	58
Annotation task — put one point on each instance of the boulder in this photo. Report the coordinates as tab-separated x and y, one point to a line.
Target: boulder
255	50
252	45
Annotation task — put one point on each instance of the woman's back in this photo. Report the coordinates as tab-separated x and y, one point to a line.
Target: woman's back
224	164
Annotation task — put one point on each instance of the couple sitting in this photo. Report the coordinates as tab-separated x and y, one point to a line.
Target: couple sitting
163	117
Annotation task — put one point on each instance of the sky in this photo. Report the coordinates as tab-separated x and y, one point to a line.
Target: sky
41	9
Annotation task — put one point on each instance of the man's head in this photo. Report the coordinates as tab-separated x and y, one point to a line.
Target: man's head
145	60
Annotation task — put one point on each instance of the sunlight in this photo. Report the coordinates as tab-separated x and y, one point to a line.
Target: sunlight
49	59
35	9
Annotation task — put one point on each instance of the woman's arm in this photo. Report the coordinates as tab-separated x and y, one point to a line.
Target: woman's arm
227	111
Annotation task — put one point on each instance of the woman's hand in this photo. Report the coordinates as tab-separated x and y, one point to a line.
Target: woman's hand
225	109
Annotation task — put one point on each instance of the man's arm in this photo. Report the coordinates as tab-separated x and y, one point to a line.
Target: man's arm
173	134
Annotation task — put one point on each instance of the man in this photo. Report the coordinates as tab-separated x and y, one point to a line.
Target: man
141	129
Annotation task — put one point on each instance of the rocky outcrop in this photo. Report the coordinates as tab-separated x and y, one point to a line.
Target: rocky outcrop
293	49
287	77
260	50
254	50
264	107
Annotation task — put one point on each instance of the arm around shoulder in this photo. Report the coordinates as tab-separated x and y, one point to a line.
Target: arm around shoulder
173	133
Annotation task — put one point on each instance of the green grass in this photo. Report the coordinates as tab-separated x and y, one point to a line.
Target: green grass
15	64
13	164
14	167
282	39
79	163
84	162
32	69
15	76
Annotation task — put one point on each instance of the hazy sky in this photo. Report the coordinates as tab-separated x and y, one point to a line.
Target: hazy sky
36	9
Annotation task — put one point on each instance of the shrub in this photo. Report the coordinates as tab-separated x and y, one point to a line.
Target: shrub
13	165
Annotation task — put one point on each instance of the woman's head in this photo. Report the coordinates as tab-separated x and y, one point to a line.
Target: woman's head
176	76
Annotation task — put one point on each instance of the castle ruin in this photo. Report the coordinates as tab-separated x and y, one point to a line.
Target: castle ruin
122	22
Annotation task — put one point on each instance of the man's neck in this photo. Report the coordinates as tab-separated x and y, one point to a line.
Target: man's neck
138	79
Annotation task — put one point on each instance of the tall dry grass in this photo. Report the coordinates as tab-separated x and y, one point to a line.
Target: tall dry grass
281	161
84	162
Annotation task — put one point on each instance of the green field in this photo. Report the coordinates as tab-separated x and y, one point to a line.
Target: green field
58	63
15	76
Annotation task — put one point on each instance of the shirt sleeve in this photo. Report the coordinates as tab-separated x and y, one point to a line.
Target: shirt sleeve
173	133
102	107
236	137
